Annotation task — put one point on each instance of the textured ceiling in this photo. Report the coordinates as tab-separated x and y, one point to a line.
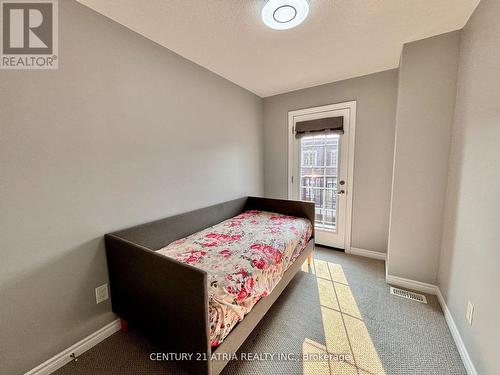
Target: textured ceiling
340	39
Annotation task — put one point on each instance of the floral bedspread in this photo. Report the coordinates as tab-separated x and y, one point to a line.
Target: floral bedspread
245	258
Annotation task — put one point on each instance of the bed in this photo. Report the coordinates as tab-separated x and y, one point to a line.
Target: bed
199	282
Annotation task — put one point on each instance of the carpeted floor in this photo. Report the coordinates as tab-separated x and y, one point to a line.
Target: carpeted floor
340	309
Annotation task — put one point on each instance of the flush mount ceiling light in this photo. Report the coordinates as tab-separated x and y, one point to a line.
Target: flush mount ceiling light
284	14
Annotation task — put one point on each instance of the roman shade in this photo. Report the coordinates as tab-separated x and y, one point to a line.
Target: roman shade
328	124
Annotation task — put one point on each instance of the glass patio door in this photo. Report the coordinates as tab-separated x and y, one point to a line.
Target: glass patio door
320	171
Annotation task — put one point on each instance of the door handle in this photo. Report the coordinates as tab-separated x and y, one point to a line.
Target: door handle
340	192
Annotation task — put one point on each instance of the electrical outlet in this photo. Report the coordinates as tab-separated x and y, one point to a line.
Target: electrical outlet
101	293
470	312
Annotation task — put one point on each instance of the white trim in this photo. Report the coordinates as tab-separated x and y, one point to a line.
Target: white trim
411	284
350	175
93	339
455	333
351	106
469	366
59	360
367	253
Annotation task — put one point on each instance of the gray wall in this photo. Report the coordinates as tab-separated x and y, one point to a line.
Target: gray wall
123	133
376	108
470	259
426	99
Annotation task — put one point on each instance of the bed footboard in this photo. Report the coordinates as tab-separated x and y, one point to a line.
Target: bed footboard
166	298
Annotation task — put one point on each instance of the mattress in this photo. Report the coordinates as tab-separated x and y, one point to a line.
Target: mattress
245	257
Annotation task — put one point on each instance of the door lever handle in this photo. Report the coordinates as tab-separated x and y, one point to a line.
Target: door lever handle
340	192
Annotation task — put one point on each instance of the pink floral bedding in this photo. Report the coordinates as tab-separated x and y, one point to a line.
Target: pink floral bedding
244	257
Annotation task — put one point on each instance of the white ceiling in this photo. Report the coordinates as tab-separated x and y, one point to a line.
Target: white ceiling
340	39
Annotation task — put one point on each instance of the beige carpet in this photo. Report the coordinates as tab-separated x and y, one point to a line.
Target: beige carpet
338	313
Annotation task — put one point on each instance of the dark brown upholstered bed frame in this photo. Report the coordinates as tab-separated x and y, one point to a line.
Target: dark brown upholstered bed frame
168	300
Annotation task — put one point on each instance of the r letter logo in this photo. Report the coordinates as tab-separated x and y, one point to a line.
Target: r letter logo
29	34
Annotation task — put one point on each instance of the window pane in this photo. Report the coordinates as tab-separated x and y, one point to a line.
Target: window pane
318	176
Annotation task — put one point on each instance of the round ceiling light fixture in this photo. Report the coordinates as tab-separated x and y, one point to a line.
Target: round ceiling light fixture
284	14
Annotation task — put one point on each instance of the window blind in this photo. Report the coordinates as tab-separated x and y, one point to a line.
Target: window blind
328	124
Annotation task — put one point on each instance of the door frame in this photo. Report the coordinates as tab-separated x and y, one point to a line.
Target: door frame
351	107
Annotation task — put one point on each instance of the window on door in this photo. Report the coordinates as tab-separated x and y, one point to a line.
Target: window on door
319	175
309	158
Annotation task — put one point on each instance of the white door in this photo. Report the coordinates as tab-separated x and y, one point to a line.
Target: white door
321	172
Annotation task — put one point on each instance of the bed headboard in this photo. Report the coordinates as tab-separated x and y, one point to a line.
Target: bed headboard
283	206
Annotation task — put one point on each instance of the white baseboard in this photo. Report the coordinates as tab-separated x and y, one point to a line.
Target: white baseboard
367	253
95	338
434	289
59	360
411	284
469	366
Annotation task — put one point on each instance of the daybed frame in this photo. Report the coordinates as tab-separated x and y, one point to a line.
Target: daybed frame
168	300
